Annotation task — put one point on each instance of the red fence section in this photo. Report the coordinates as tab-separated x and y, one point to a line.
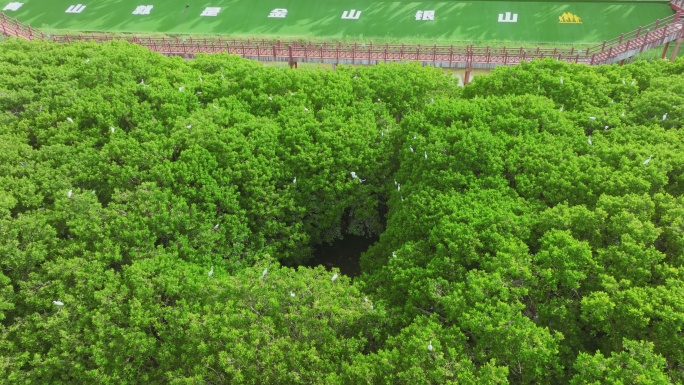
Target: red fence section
620	48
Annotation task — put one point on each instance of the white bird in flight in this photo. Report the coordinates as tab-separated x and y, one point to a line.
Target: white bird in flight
647	161
334	277
58	303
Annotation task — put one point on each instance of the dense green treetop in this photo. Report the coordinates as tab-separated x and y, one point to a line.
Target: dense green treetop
155	213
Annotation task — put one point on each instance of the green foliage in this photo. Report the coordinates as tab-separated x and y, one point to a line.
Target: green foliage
530	230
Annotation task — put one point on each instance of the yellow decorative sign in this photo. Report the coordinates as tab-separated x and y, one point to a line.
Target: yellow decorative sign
569	18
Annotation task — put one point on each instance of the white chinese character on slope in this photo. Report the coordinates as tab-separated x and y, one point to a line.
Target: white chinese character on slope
143	10
78	8
12	6
353	14
211	11
425	15
507	18
278	12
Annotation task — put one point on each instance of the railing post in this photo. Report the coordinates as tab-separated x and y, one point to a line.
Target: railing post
603	46
621	36
638	32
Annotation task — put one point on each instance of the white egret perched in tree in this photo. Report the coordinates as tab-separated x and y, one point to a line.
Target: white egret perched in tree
70	120
306	109
647	161
623	81
181	89
394	255
425	153
87	61
633	81
198	92
189	126
665	116
294	181
214	105
395	181
263	275
398	187
561	80
411	147
112	129
589	140
58	303
623	113
430	344
201	80
560	109
270	98
292	294
211	272
606	127
70	193
142	81
334	277
353	175
592	117
93	192
216	227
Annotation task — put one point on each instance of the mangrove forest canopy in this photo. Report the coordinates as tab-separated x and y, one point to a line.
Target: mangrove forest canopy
156	217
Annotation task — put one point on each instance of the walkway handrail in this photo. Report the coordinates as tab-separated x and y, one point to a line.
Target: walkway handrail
660	23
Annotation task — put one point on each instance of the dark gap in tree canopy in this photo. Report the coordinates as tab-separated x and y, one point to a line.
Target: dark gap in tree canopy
343	254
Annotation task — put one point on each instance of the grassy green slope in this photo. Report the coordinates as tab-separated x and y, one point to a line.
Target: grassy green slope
454	21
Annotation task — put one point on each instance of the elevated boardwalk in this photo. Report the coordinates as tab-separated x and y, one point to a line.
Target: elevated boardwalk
619	49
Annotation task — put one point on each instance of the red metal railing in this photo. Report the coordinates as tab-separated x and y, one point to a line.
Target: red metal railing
624	46
629	44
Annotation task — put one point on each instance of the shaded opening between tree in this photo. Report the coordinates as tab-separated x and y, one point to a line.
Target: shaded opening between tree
344	254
